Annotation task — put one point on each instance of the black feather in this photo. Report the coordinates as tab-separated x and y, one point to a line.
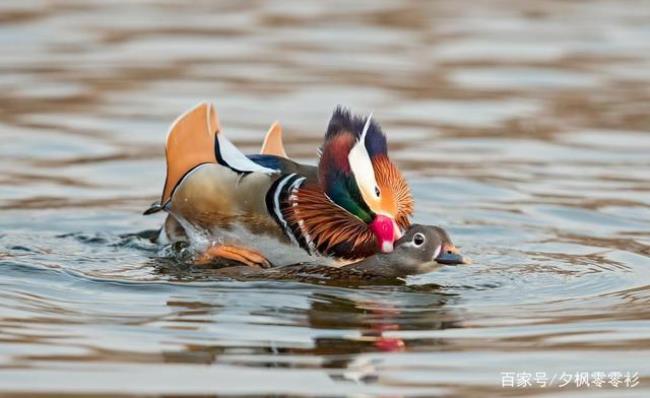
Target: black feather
154	208
343	120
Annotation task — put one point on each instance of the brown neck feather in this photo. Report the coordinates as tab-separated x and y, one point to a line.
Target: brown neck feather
391	182
330	229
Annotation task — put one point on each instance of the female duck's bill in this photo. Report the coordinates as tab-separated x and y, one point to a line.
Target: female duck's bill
449	253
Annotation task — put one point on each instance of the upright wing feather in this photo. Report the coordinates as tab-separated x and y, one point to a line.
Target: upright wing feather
195	138
190	142
273	142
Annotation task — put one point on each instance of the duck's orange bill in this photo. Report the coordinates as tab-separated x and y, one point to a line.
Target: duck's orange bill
384	229
190	142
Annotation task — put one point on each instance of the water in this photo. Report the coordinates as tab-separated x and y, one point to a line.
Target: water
522	128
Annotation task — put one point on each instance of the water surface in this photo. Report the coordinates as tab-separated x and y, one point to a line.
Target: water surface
523	129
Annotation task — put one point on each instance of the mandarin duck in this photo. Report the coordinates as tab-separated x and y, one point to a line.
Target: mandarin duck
267	209
449	254
422	249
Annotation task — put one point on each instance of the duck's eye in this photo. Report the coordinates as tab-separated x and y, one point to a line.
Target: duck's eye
377	192
418	239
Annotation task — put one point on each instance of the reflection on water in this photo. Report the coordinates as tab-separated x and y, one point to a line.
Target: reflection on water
522	127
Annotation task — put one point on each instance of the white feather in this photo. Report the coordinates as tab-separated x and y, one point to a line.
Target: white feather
237	160
276	206
361	165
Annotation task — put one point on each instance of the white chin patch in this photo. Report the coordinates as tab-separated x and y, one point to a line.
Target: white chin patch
387	247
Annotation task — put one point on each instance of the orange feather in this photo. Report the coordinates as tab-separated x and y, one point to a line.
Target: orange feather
273	142
190	142
333	231
396	194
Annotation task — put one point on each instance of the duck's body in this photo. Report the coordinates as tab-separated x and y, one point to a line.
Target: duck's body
262	209
215	204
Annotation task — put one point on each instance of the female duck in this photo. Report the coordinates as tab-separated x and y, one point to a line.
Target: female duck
422	249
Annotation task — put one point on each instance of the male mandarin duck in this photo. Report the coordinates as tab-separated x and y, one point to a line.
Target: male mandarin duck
267	209
448	254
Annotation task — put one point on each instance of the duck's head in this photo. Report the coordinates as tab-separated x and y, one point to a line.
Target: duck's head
423	248
356	174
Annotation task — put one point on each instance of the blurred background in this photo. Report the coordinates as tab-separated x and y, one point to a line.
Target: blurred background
523	128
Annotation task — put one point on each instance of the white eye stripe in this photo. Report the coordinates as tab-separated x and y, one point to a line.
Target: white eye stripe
359	159
411	243
365	129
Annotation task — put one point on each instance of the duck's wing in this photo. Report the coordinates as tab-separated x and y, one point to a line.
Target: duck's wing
195	139
286	166
273	144
190	143
274	155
